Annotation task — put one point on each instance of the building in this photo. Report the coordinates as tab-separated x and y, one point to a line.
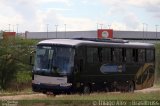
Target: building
140	36
7	35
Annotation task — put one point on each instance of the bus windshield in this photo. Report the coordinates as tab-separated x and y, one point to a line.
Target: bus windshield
54	59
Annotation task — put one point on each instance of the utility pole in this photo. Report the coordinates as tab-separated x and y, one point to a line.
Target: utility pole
143	31
109	26
9	27
65	30
56	29
47	30
146	31
17	28
156	32
101	25
97	26
13	28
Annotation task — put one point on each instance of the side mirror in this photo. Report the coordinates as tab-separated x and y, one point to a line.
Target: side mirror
31	60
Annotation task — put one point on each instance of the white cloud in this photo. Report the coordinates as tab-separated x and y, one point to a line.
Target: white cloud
123	19
77	23
141	3
144	3
116	10
122	12
67	2
30	16
61	1
152	6
118	26
24	8
8	15
86	2
52	18
131	21
47	17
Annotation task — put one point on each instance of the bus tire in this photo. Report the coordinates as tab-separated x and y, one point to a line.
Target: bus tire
44	92
131	87
107	89
86	89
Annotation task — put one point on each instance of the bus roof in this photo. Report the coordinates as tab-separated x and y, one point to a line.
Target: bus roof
78	42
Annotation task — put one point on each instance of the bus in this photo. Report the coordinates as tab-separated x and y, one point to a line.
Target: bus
88	65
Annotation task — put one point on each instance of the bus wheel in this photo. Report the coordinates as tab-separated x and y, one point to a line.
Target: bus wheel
44	92
131	87
106	89
86	89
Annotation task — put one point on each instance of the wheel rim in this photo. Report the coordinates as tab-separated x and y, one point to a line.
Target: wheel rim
106	89
131	87
86	90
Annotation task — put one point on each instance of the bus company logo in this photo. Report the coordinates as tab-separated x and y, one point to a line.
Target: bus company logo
105	68
105	34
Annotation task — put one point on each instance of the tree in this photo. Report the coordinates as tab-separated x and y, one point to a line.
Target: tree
14	57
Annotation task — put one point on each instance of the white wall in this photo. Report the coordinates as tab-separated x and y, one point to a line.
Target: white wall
136	34
70	34
149	37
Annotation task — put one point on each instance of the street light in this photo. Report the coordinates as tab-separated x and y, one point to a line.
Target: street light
13	28
144	29
9	27
47	30
97	25
156	32
56	29
109	26
17	28
101	25
65	30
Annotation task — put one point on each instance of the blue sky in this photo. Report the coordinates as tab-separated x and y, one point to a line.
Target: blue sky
79	15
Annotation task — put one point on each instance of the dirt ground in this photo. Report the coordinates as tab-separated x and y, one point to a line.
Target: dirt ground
40	95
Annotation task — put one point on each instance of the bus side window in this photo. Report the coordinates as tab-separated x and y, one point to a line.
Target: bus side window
141	55
124	55
117	55
135	55
129	56
106	55
112	54
149	55
92	55
100	54
80	58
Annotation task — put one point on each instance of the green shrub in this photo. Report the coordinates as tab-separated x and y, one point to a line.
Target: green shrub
14	61
23	77
157	57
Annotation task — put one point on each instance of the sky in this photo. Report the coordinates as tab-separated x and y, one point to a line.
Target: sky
79	15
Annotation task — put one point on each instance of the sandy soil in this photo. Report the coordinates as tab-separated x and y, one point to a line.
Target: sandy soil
148	90
24	97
